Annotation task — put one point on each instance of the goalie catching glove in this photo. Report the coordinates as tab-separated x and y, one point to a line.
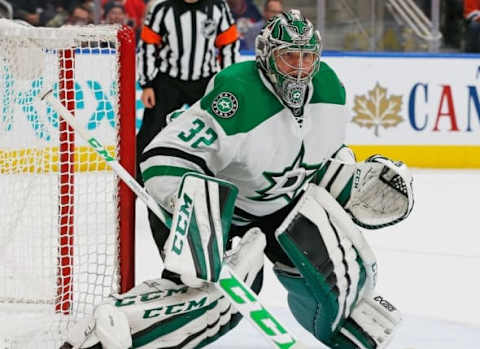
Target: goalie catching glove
376	192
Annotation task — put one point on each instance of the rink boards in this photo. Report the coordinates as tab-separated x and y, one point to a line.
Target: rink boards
421	108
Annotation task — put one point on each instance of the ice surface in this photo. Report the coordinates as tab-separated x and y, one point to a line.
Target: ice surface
429	267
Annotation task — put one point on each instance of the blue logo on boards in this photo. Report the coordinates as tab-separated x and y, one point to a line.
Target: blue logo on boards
42	121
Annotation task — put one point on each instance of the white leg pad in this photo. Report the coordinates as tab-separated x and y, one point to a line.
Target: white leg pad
108	326
111	327
378	319
185	315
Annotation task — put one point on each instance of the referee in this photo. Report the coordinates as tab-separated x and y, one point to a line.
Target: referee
183	44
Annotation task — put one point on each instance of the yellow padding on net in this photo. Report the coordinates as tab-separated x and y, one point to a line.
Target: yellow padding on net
426	156
46	160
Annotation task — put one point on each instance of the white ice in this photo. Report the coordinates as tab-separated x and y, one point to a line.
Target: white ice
429	267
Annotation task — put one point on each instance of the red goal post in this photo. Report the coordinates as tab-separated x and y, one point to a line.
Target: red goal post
66	221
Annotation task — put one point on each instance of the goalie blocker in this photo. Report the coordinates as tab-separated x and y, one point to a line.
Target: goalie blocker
198	236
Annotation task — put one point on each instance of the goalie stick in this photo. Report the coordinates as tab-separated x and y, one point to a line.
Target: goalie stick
241	296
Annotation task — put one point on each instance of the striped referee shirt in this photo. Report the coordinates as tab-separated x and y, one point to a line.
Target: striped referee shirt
186	41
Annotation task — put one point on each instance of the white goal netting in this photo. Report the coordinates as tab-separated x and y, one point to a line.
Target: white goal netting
60	205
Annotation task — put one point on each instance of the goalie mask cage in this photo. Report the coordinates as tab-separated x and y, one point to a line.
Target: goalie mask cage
66	221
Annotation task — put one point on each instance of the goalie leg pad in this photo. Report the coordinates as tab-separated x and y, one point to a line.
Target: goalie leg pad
314	237
163	314
108	326
372	325
315	310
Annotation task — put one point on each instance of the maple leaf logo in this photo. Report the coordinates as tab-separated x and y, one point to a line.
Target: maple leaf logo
377	109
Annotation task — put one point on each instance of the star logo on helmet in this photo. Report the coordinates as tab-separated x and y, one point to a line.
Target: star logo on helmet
288	183
296	95
225	105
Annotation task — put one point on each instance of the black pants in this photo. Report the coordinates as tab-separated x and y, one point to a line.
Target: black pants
170	94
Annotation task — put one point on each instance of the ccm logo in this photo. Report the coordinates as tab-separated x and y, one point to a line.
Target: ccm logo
384	303
356	178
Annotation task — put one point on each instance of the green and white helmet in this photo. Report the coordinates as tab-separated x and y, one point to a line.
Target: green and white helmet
288	51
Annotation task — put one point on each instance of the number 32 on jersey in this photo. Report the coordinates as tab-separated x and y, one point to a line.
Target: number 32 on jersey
198	134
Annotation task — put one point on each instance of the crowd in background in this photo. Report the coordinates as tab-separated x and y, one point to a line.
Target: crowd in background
460	19
56	13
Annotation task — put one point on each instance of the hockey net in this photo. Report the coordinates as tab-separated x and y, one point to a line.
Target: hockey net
66	222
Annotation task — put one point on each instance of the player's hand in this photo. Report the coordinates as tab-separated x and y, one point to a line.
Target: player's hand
148	97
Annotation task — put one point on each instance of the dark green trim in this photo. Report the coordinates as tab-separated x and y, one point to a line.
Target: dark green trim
321	290
248	217
317	178
195	243
359	334
344	196
334	178
214	258
204	177
227	210
167	326
177	153
234	321
157	171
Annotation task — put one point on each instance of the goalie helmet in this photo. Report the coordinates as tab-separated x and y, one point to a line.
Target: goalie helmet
288	51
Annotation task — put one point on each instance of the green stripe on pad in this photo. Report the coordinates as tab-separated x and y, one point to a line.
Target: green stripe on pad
169	325
158	171
195	242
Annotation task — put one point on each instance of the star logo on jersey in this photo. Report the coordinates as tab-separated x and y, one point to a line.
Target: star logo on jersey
288	183
225	105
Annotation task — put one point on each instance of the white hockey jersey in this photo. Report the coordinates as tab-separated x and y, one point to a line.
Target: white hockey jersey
240	131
